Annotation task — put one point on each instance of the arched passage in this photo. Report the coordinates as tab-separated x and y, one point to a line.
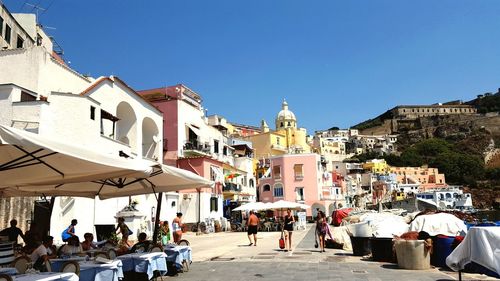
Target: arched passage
126	126
150	138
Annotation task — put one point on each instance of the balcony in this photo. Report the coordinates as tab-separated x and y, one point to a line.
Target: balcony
278	147
27	115
231	187
196	148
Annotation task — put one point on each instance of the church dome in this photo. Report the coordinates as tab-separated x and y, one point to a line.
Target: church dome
285	118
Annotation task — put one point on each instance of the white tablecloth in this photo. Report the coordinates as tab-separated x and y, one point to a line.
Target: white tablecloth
145	263
47	276
178	254
481	245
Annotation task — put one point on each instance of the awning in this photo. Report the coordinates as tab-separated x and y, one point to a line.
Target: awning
194	129
31	159
163	179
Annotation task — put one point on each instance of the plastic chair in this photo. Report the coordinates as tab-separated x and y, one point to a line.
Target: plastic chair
5	277
111	254
21	264
156	249
48	266
71	266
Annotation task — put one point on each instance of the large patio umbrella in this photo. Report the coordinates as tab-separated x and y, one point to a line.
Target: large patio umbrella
27	159
163	179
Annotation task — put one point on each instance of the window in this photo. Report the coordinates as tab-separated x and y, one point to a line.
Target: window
213	174
297	170
278	190
20	42
92	112
277	172
27	97
281	124
266	187
216	146
224	150
108	122
278	141
251	183
7	34
1	25
213	204
299	192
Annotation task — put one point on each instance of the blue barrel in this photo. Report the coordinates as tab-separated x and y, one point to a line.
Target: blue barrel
441	250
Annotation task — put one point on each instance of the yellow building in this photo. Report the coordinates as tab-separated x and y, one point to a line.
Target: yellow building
376	166
286	139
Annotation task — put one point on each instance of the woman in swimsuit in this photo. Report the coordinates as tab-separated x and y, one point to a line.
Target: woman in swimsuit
177	228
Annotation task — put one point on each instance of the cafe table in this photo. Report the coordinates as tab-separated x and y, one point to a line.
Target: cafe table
144	263
178	254
93	271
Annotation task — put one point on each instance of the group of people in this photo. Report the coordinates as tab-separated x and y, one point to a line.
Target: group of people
288	225
322	229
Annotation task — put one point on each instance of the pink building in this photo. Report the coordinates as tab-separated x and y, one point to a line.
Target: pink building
296	178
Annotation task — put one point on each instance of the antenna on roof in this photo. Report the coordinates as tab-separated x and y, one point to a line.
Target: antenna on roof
35	8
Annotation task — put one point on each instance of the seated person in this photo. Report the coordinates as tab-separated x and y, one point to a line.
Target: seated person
13	232
42	254
89	243
33	239
142	243
73	247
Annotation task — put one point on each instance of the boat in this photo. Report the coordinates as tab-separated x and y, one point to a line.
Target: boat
451	198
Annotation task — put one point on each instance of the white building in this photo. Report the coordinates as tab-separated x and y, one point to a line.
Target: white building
39	93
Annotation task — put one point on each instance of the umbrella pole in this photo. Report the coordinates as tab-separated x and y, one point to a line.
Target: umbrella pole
157	218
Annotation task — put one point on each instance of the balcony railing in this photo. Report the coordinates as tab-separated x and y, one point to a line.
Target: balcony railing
232	187
197	147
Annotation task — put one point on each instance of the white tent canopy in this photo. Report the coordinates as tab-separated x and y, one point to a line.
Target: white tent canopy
256	206
31	159
162	179
282	204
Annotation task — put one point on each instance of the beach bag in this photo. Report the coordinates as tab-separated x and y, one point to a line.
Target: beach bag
130	232
282	241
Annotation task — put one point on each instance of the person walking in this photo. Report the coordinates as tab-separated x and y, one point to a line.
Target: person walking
69	231
252	225
321	230
288	227
177	228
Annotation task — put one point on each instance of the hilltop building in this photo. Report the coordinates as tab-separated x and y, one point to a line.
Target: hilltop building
287	138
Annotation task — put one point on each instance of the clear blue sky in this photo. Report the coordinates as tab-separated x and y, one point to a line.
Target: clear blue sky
336	62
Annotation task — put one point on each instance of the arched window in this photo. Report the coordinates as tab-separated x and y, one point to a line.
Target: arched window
278	190
266	187
126	126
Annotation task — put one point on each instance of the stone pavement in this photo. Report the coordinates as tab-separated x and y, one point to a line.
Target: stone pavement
222	256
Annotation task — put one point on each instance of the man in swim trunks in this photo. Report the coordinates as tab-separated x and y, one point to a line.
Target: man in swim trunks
252	224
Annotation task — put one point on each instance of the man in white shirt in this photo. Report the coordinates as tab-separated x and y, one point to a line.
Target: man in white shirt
42	254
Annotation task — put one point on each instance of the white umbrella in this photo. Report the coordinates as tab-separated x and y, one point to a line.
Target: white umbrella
163	179
27	158
253	206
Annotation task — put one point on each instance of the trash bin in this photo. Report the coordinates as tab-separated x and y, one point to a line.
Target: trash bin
360	246
441	250
411	254
382	249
